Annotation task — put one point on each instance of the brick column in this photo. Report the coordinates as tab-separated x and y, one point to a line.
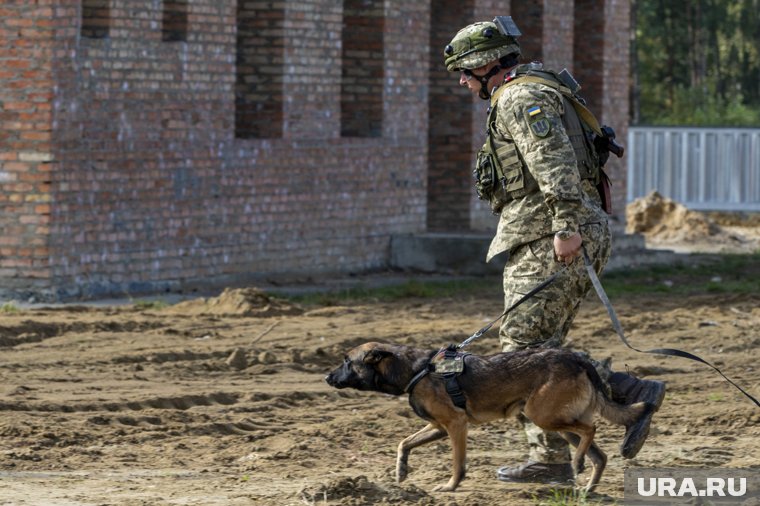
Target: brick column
558	35
26	159
602	30
616	87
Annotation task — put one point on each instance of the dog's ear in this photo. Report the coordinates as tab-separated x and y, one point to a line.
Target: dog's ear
375	356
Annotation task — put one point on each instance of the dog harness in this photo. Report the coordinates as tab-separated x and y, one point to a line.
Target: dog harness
447	364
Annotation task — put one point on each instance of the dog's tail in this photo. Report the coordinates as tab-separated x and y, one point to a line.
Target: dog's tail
620	414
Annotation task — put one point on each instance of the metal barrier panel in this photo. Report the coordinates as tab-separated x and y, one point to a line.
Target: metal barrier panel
702	168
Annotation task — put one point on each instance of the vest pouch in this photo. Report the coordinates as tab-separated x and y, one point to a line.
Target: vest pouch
485	175
512	167
489	182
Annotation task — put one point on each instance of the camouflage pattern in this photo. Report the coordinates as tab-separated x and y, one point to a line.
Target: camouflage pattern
471	49
530	114
546	447
544	319
563	202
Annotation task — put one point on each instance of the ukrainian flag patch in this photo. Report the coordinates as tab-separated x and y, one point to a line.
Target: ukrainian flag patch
534	111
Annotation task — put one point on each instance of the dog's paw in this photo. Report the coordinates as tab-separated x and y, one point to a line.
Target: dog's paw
444	488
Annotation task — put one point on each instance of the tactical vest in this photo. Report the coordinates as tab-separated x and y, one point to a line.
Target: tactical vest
500	171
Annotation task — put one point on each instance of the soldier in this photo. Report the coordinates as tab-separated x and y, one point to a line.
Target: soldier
539	170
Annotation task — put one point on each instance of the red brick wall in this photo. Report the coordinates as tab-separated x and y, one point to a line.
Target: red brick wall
155	190
130	167
27	159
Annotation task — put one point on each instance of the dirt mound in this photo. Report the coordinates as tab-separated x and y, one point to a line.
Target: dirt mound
658	217
238	302
359	490
667	223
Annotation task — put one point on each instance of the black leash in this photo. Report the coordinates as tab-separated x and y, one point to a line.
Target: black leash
456	396
548	281
619	328
613	317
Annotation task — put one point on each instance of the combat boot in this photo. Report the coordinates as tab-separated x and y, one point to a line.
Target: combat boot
537	472
627	389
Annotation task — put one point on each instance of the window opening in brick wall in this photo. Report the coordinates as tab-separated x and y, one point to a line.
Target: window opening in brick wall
450	109
174	23
361	90
96	18
259	59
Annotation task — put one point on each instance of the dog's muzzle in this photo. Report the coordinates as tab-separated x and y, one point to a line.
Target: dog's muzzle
335	382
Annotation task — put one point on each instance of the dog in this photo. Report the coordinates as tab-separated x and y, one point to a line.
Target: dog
557	389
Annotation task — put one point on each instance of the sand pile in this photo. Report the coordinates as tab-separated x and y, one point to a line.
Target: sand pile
669	224
250	302
664	219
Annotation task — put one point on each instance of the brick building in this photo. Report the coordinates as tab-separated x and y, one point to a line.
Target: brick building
155	144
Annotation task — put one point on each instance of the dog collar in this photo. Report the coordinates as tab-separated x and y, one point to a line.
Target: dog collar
417	378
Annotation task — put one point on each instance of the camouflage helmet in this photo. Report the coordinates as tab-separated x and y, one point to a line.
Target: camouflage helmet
476	45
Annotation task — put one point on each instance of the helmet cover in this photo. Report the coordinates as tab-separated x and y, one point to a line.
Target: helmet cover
476	45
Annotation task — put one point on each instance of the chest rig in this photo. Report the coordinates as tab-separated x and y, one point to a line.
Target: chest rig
501	174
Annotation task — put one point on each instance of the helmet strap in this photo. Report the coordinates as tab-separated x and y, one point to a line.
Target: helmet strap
484	93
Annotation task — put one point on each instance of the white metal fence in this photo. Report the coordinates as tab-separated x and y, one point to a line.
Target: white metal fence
702	168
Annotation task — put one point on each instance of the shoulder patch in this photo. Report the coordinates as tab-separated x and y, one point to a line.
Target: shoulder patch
540	126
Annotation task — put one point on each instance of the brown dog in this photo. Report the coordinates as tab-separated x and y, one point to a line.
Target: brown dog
557	389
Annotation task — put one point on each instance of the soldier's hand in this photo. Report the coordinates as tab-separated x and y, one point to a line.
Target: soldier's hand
566	250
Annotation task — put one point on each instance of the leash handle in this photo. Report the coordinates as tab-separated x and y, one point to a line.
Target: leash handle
659	351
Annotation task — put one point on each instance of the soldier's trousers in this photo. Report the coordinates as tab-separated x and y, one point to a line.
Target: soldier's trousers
544	319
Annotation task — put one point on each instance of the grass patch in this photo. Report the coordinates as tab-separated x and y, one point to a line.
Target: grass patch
9	308
738	274
413	289
564	497
145	305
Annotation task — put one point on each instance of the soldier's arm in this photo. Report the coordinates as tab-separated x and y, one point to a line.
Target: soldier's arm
532	115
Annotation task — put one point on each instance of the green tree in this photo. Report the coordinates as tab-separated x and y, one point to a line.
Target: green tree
696	62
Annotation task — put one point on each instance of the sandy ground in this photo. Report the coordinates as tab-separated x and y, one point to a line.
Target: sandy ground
223	402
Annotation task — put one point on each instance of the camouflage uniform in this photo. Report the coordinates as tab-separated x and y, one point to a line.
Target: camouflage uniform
562	202
536	170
